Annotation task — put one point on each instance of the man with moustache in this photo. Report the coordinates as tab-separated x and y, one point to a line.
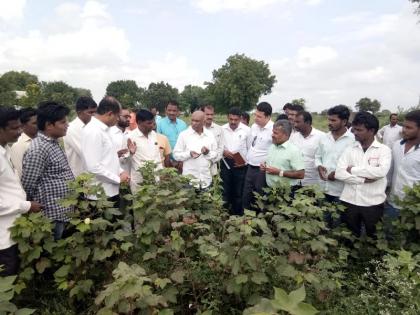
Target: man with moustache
363	168
46	171
197	149
217	132
119	134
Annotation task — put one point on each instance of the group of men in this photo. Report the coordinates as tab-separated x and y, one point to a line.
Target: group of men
112	143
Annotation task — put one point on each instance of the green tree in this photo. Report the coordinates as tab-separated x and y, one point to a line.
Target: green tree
18	81
366	104
192	97
32	97
83	92
299	101
59	91
159	94
240	82
128	93
7	95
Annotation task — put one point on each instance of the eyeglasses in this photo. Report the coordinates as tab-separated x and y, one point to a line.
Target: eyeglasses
253	141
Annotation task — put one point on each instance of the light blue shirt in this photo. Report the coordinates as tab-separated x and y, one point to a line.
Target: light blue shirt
327	154
171	129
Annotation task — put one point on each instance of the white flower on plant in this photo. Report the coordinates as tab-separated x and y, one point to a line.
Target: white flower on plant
87	221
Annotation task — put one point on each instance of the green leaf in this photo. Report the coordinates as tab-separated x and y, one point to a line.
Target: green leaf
42	264
62	272
239	279
259	278
178	276
298	295
305	309
24	311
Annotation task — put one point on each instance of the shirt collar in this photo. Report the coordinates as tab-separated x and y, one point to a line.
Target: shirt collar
99	123
348	133
205	131
283	145
44	137
402	142
25	137
375	144
268	125
170	121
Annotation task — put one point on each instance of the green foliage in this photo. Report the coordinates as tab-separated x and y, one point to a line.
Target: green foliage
240	83
18	81
7	292
126	91
159	94
366	104
192	97
299	101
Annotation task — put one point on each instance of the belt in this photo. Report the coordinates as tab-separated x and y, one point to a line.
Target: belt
252	166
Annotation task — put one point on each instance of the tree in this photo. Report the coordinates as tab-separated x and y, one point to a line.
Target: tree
192	97
18	81
32	97
240	83
7	95
299	101
417	3
366	104
159	94
126	92
59	91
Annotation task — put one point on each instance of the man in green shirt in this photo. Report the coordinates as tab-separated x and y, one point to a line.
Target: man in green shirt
284	161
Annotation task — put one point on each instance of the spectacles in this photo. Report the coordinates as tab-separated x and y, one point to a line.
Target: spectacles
253	141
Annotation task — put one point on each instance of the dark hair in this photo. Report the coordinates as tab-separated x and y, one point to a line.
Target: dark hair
108	104
235	111
245	115
7	114
85	102
281	117
366	119
50	112
307	117
414	116
265	108
144	115
208	106
172	102
341	111
393	114
287	106
296	107
26	114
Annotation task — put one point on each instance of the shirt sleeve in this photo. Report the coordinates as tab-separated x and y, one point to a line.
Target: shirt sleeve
297	163
181	152
380	133
70	142
318	154
213	151
341	170
159	126
220	146
166	147
33	166
91	146
375	172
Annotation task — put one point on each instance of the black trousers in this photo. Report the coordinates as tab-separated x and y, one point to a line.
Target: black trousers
354	216
254	182
233	185
9	261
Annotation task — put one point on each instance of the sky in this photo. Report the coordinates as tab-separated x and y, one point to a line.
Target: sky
327	52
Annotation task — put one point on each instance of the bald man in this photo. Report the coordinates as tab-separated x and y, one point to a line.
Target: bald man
197	148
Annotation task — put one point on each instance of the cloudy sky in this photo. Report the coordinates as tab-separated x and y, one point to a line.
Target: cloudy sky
326	51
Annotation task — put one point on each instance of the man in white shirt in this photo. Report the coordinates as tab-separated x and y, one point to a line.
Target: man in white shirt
259	141
406	163
197	148
85	108
363	168
235	136
307	139
99	156
119	134
330	148
217	132
391	132
143	146
12	196
29	130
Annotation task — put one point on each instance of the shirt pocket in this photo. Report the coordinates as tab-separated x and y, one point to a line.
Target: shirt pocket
373	161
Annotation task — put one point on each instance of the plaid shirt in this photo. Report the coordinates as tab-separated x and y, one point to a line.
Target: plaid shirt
45	175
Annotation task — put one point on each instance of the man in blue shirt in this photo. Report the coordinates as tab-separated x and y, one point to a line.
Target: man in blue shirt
171	126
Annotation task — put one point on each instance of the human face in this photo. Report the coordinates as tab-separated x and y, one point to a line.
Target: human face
410	131
209	116
154	111
58	129
279	136
197	123
393	120
124	119
234	121
291	115
30	128
146	126
86	114
260	118
335	123
299	124
362	134
11	133
172	112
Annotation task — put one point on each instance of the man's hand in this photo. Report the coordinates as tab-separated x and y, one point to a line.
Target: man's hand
124	177
205	151
331	176
272	170
35	207
132	146
322	172
349	169
227	154
263	167
194	154
122	152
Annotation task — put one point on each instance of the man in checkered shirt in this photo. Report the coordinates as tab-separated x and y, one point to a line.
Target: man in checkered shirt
46	171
